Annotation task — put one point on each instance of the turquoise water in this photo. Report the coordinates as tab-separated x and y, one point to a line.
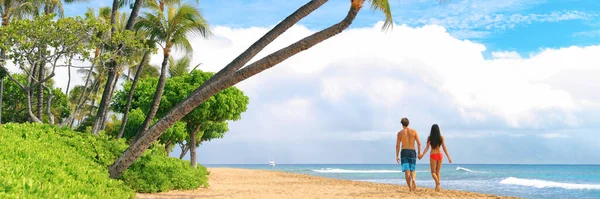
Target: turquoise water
527	181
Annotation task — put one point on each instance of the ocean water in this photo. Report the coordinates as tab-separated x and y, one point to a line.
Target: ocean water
526	181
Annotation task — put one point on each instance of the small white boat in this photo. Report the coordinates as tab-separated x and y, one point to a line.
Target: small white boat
272	163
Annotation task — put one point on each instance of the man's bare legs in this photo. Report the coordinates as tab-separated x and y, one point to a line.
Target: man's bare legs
435	174
414	184
408	179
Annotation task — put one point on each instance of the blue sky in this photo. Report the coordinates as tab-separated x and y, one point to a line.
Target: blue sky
509	81
524	26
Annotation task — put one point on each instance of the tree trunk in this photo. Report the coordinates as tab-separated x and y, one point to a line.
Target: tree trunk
207	90
1	95
266	39
105	101
168	148
112	91
193	160
134	13
80	103
157	96
138	72
29	91
113	16
40	97
68	81
2	59
184	150
49	106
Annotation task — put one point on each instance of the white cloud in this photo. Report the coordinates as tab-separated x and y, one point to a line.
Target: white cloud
388	70
477	19
506	55
591	33
553	135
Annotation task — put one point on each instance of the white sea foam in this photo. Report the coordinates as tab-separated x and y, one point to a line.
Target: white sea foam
464	169
331	170
547	184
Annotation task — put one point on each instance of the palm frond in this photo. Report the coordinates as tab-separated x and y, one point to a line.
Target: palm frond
383	6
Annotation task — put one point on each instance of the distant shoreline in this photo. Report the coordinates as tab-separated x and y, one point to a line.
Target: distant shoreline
250	183
209	165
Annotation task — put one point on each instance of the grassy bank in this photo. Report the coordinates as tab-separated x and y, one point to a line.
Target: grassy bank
43	161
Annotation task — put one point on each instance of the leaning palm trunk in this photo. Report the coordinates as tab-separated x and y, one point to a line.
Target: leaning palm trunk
160	87
138	73
229	79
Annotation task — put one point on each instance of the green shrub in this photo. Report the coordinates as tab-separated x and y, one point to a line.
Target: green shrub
43	161
36	163
157	172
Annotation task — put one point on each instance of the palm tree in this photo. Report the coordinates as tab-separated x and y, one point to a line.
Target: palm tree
141	70
112	76
103	16
170	31
234	73
180	66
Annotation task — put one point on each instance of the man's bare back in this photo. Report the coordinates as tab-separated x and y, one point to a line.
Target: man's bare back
407	137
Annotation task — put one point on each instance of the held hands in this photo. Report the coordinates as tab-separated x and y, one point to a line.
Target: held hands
420	156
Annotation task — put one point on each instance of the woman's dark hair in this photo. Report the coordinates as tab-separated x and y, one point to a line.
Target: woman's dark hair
435	137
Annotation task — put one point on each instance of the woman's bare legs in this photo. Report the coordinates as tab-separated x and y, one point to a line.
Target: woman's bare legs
434	174
438	168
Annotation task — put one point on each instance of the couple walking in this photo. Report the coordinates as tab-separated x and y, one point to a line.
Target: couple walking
408	157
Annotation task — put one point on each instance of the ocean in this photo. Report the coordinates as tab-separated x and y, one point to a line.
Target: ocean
526	181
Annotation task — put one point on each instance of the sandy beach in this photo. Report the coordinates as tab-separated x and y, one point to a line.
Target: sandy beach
245	183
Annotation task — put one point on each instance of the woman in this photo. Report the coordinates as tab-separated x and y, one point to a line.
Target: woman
435	140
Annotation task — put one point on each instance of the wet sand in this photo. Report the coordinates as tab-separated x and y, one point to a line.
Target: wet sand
246	183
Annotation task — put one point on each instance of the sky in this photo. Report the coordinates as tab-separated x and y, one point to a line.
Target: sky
508	81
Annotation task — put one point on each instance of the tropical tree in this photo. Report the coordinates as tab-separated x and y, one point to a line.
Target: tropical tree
137	74
103	14
15	105
203	124
10	9
33	43
46	7
112	65
234	73
170	31
180	67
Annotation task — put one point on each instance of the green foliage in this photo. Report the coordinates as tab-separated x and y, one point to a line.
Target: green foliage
156	173
15	102
43	161
172	29
28	39
174	134
228	104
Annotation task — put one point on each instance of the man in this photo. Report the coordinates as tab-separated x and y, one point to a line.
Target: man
407	137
